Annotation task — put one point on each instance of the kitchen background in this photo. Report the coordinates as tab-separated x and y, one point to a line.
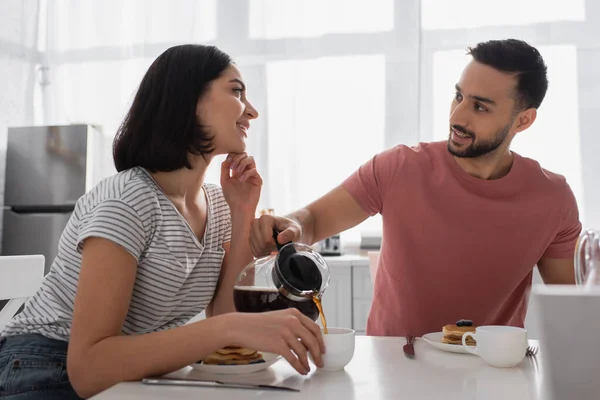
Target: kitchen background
335	81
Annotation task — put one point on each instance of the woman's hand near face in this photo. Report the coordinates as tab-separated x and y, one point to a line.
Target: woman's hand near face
241	183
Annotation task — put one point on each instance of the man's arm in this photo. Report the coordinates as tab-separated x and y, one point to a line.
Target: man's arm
361	195
557	270
331	214
557	265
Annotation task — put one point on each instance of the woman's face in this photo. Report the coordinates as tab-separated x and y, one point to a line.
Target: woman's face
226	112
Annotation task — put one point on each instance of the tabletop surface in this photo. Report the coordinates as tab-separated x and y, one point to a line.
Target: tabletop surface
379	369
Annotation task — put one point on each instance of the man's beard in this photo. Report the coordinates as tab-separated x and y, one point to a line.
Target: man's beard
477	148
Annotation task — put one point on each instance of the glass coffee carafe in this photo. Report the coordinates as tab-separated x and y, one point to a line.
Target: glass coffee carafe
295	276
587	259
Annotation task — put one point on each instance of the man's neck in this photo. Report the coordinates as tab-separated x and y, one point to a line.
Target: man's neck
491	166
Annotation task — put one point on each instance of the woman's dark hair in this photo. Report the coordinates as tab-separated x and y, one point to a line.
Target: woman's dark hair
161	128
516	56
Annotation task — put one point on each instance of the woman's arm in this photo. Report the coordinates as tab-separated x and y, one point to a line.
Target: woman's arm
241	185
233	263
98	356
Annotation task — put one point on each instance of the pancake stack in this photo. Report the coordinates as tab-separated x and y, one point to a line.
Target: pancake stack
453	333
233	356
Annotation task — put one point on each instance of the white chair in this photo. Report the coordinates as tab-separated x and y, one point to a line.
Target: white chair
20	278
533	309
373	264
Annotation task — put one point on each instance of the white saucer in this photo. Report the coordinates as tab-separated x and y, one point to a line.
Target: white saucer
269	358
435	339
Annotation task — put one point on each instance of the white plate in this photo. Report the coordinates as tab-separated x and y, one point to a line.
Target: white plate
435	339
269	358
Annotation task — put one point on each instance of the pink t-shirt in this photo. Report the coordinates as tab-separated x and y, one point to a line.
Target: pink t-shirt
455	246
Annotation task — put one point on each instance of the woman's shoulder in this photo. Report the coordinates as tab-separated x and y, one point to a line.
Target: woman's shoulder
133	187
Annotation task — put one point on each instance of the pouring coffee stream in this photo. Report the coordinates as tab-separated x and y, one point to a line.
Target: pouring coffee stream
298	273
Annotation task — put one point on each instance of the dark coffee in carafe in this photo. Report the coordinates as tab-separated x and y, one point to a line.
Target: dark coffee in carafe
255	299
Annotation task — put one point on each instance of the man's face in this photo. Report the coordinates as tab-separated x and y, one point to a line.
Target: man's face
482	111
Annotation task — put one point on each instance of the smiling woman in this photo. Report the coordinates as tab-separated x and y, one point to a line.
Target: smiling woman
147	249
177	110
225	112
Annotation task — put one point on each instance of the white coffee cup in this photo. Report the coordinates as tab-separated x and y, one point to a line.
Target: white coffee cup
499	346
339	345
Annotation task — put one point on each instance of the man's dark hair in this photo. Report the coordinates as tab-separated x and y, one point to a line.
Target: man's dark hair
161	128
516	57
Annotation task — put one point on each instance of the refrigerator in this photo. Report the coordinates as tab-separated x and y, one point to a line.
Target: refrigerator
47	169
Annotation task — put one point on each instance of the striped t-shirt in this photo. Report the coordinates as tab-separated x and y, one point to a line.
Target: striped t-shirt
176	276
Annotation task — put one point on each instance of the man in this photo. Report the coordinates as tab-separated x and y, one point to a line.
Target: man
464	221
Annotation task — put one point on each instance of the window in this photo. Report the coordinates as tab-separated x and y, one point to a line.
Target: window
554	138
300	100
92	83
315	142
17	23
273	19
464	14
83	24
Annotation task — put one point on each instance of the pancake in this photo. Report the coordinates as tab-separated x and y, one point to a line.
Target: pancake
453	334
233	356
235	362
457	330
470	341
236	350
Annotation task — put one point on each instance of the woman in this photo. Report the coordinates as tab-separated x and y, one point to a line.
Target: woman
152	246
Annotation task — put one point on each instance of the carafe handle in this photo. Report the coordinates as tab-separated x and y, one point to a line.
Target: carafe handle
275	234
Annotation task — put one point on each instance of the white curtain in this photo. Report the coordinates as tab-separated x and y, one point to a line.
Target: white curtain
98	51
318	72
334	81
18	59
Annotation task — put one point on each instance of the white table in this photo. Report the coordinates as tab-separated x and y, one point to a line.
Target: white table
379	370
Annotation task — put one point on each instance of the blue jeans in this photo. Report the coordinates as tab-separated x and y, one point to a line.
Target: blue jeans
34	367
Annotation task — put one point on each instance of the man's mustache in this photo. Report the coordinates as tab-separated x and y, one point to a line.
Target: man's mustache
463	130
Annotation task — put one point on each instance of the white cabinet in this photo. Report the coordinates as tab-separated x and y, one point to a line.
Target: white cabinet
362	296
532	319
337	300
347	301
361	308
362	284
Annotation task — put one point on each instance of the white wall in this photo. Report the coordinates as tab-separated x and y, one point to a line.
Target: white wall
92	80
